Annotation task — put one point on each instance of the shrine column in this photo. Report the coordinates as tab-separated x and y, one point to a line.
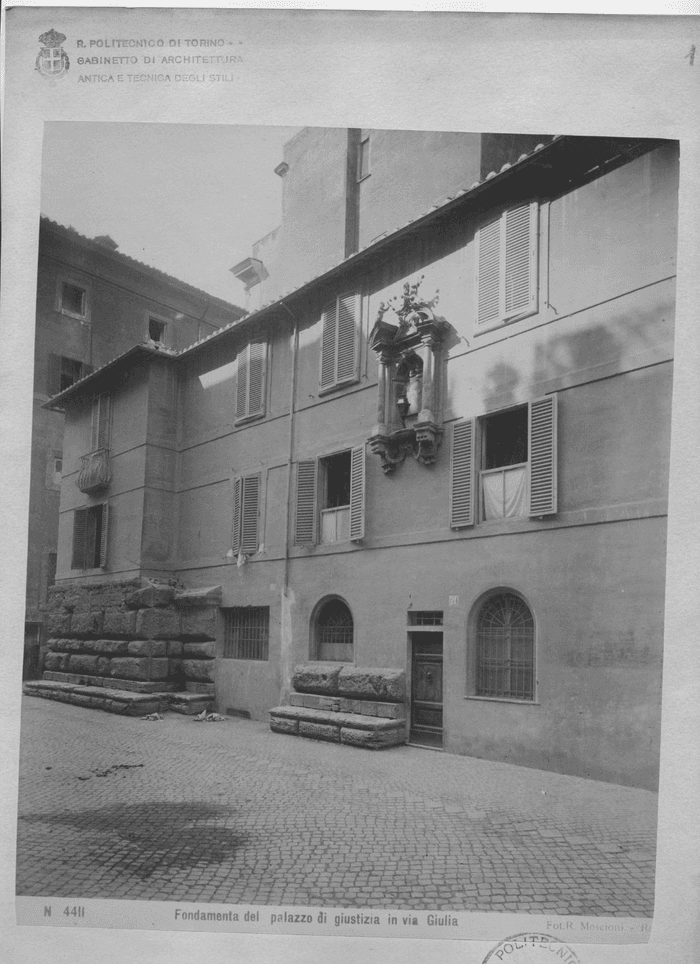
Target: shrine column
428	359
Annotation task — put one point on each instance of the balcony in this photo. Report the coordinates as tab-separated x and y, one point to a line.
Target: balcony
95	472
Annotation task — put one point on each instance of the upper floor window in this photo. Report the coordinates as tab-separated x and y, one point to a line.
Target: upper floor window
250	380
64	372
340	341
507	267
505	465
246	509
156	330
72	300
330	498
363	159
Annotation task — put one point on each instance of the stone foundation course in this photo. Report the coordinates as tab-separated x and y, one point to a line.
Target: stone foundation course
345	704
151	643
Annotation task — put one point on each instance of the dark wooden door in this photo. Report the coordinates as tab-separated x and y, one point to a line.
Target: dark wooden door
426	688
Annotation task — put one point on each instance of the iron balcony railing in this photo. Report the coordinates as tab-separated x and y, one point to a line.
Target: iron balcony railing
95	472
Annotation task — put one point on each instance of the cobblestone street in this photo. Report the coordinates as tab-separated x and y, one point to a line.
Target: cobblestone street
116	807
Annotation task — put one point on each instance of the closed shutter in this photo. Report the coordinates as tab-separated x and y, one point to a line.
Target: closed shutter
520	276
328	332
462	481
488	279
357	493
236	534
256	378
103	535
100	423
79	530
54	379
347	338
305	519
249	514
543	455
242	384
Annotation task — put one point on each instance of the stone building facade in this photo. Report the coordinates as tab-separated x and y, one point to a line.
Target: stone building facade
93	303
442	460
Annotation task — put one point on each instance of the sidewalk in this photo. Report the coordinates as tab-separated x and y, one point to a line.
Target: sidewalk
113	807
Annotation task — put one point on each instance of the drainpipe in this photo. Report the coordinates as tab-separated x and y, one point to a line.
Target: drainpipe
290	453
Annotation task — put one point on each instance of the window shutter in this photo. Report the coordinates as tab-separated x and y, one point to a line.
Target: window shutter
543	456
236	535
249	514
305	521
347	338
328	331
103	536
520	259
54	381
256	378
79	528
100	423
462	481
242	384
357	493
488	277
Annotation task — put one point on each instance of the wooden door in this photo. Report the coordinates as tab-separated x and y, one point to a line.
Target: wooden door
426	688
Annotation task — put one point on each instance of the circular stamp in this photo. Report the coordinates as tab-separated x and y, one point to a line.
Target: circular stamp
530	948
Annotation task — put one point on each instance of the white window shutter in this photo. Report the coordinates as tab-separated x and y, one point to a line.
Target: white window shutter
347	338
249	514
543	455
519	253
237	499
488	274
242	383
328	345
305	519
256	377
357	493
103	535
79	531
462	478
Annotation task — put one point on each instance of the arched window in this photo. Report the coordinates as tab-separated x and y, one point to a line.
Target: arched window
505	648
333	632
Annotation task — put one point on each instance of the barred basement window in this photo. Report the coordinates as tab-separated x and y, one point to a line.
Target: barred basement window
505	648
247	632
424	618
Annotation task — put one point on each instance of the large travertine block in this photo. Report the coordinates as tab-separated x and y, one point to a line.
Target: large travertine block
147	647
281	725
199	669
86	623
199	623
319	731
150	596
372	684
111	647
119	623
199	650
82	663
157	624
141	668
58	623
316	678
57	662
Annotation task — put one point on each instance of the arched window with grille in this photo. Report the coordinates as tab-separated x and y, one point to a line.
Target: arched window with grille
505	648
333	632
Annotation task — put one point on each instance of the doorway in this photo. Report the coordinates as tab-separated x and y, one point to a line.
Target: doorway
426	688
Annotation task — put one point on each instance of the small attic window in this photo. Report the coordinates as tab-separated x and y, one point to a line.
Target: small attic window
73	300
156	330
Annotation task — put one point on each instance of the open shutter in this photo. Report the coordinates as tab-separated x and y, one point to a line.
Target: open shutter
100	423
462	481
357	493
305	519
520	253
328	340
347	338
236	534
79	528
543	455
242	384
103	535
54	381
256	378
488	274
249	514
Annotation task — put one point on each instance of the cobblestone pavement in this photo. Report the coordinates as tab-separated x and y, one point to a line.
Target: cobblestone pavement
112	807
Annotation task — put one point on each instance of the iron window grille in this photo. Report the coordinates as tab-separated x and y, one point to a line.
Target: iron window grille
247	632
335	632
424	618
505	654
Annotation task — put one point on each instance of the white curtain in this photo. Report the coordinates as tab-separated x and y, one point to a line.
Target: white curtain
505	493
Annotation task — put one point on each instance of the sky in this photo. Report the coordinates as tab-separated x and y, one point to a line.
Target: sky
188	199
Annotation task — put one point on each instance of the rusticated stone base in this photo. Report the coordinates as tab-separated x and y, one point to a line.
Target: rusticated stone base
114	700
353	729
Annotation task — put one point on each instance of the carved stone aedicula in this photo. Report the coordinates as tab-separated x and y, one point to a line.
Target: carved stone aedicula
409	396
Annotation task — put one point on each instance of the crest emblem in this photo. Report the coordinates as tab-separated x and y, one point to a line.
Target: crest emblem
52	61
